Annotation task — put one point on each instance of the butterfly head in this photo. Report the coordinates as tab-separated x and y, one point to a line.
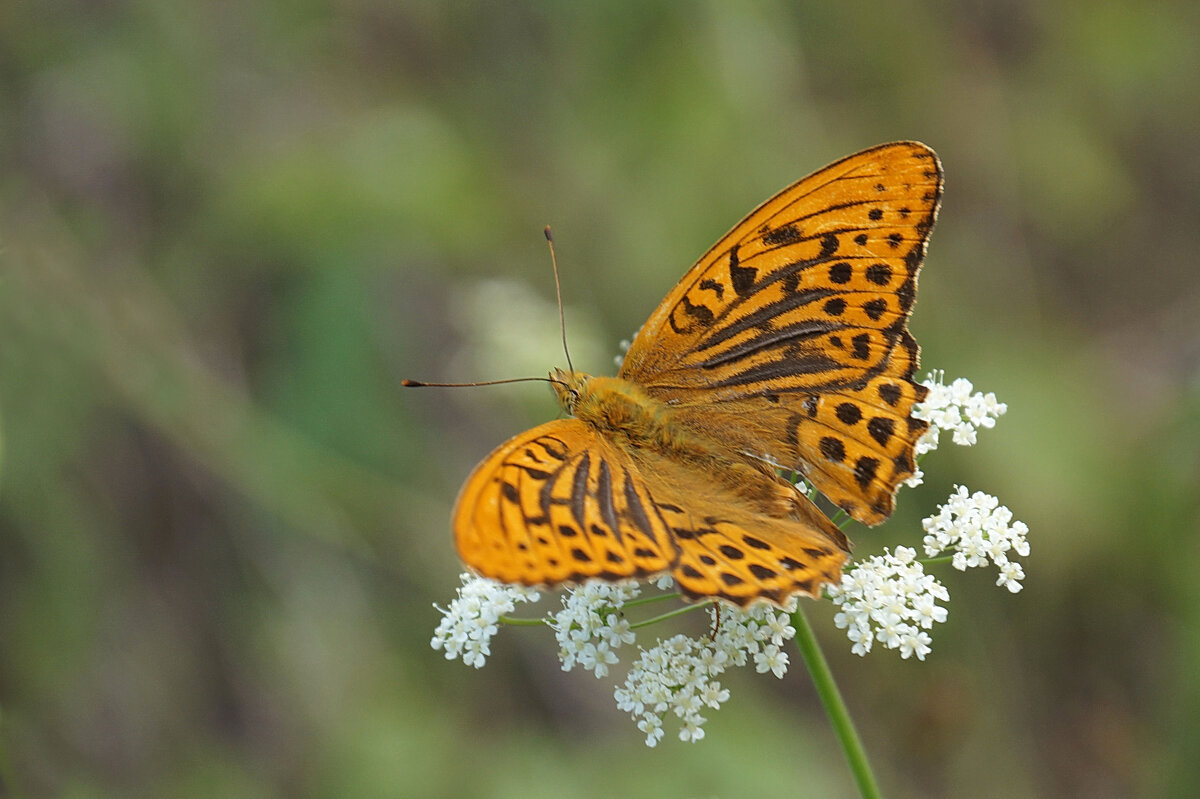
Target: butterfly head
569	387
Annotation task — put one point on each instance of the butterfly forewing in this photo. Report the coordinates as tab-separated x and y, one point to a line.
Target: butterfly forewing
790	335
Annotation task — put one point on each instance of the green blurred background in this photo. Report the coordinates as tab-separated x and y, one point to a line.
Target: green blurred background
228	230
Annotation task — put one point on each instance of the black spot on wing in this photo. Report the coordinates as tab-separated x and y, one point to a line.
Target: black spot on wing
848	413
554	447
864	470
879	274
742	277
762	572
731	552
889	393
840	273
833	449
604	497
510	492
635	508
881	429
702	315
708	284
579	489
829	245
787	234
862	346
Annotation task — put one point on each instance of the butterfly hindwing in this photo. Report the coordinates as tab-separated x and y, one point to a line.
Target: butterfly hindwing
562	504
557	504
729	549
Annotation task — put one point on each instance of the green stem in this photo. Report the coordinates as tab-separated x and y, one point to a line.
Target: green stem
668	615
649	600
517	621
835	707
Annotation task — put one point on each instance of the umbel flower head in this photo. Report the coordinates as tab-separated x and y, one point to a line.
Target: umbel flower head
977	529
677	677
889	600
467	626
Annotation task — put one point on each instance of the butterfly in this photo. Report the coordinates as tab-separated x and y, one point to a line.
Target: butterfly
784	349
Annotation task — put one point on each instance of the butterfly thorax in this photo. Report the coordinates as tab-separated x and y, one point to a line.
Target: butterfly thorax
624	413
617	408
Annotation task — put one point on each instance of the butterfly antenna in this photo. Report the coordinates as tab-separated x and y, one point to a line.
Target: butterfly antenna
562	320
419	384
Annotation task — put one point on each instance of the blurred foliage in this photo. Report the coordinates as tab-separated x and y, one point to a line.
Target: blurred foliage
228	230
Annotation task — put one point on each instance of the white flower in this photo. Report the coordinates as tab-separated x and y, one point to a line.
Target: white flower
978	530
1011	575
914	642
772	659
677	676
956	408
591	625
664	583
467	626
890	599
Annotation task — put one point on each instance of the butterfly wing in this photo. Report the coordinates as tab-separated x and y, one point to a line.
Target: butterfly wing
561	504
731	549
790	335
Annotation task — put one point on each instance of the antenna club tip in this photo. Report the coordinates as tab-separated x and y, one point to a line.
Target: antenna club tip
546	230
410	383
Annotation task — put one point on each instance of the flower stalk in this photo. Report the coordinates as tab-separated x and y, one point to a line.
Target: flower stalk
835	706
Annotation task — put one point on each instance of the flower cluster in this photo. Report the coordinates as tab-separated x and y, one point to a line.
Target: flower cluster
979	530
469	623
956	408
591	625
890	599
677	676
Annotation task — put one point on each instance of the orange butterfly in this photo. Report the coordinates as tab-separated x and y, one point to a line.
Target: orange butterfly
785	347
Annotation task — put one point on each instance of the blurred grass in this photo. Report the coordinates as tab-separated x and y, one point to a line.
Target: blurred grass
227	231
